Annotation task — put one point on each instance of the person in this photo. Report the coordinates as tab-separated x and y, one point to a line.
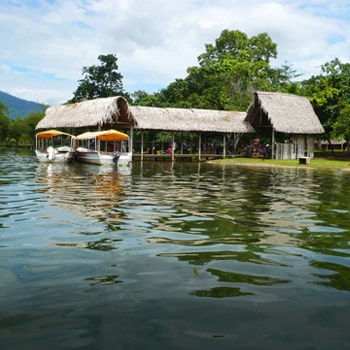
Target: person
92	144
268	151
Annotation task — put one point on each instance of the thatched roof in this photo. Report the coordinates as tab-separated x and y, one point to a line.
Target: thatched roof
100	111
287	113
116	113
180	119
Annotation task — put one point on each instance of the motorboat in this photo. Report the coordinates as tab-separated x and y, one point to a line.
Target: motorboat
54	146
103	148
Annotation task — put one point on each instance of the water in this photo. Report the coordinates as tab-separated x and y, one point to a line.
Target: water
190	256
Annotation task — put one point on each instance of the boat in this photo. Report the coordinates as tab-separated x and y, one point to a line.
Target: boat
103	148
54	146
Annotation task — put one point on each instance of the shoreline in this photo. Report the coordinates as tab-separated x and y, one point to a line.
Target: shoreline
264	163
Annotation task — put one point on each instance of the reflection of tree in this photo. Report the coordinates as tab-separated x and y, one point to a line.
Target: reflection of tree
220	292
202	258
103	280
339	280
328	243
101	244
233	277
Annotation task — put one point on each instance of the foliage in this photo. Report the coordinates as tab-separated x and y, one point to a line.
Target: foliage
4	122
330	95
20	130
100	81
227	75
31	121
341	126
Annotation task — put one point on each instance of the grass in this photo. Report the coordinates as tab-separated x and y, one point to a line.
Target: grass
317	163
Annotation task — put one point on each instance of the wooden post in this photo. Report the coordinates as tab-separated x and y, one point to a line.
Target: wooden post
172	148
182	142
224	147
141	145
273	144
131	140
199	146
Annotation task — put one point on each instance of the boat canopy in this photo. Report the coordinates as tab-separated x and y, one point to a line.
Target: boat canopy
51	133
107	135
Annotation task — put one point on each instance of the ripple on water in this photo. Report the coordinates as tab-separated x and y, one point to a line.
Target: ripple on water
240	247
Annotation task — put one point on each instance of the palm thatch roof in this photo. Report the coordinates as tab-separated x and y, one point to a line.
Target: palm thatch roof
285	112
115	112
180	119
97	112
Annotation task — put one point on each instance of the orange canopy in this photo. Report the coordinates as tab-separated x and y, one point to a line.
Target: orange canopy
51	133
107	135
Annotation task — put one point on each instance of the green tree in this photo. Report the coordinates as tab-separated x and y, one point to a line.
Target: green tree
19	132
228	73
102	80
4	122
142	98
31	120
330	95
341	127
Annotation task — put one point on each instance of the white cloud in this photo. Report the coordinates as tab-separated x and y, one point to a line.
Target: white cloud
45	44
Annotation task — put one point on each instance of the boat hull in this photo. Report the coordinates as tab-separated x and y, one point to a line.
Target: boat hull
102	158
60	157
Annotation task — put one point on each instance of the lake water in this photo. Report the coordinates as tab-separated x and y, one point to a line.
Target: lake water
189	256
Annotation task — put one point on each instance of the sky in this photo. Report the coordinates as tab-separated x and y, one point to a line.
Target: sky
44	44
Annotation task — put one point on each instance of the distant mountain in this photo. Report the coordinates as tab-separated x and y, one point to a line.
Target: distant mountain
18	107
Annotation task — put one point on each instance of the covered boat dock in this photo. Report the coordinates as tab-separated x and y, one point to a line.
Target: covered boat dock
287	123
190	133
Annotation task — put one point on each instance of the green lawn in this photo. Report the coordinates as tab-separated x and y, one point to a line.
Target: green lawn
318	163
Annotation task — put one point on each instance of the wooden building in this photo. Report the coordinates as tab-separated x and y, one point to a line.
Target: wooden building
287	121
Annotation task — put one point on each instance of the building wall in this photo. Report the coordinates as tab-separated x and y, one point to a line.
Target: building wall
299	146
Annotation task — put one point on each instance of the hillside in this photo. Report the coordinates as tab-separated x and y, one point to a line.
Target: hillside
19	107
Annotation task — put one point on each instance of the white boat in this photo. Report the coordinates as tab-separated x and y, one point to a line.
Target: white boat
103	148
54	146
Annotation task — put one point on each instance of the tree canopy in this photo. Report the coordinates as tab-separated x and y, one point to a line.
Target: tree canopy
227	74
102	80
330	95
4	122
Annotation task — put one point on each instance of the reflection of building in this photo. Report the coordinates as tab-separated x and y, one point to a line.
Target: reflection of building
88	190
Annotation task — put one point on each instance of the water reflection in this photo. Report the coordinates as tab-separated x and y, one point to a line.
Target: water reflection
86	189
258	211
173	256
339	280
90	193
231	214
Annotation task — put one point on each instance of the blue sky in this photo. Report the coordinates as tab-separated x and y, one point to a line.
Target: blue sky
46	43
